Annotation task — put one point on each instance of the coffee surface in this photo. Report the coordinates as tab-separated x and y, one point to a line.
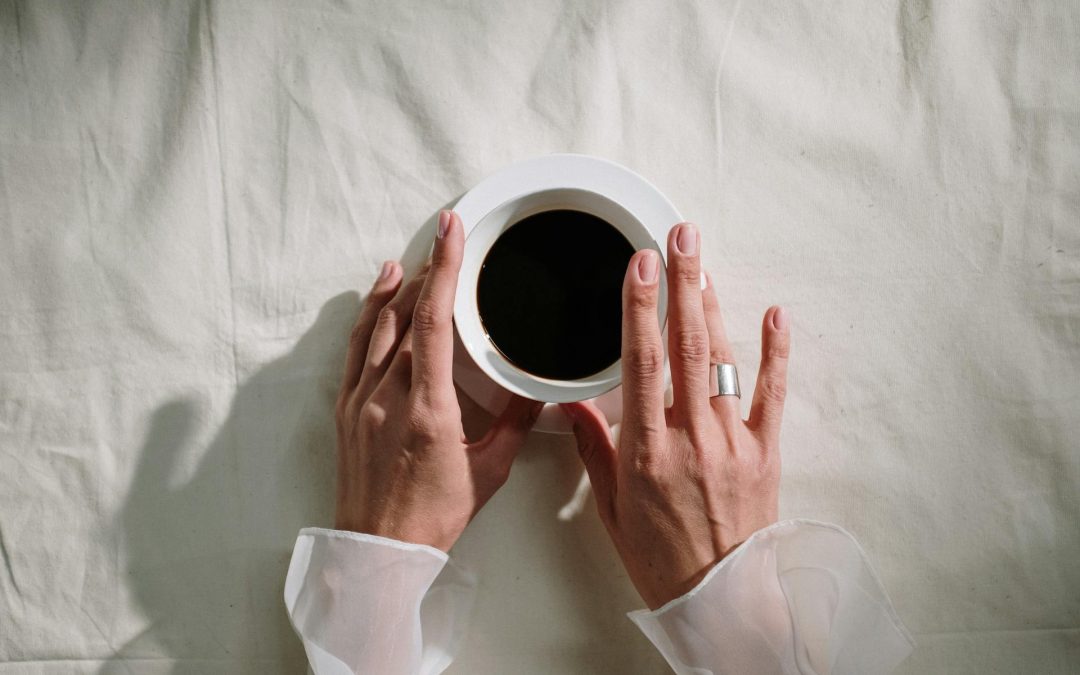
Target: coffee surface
550	294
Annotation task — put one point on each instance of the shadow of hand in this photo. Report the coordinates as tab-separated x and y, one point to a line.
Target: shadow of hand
208	531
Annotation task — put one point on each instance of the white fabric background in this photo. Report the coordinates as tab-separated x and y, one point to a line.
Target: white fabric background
191	196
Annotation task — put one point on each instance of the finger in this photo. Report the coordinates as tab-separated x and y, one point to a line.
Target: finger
597	451
688	338
719	348
390	326
381	293
433	317
771	388
399	374
507	434
642	347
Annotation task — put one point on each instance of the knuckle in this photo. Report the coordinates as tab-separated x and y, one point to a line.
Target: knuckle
426	316
692	343
419	426
372	415
648	466
778	349
587	450
719	351
654	469
645	360
774	389
718	354
642	300
688	274
590	453
387	319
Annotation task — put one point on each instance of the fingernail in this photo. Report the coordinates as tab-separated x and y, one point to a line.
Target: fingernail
780	319
706	280
570	411
387	270
648	267
687	239
444	224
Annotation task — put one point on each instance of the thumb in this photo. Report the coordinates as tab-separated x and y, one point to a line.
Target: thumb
507	434
597	449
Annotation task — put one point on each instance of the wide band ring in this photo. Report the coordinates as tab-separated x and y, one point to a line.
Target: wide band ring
724	380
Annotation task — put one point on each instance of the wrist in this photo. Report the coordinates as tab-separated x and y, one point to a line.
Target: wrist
656	590
659	581
408	530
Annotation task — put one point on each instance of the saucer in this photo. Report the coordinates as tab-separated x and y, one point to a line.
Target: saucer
619	184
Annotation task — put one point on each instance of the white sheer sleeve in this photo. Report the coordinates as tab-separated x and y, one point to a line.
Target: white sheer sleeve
797	597
366	604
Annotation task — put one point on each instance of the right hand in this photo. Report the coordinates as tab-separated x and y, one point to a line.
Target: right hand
688	484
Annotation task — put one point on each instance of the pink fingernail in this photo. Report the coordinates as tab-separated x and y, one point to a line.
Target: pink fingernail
780	319
687	239
387	270
444	224
648	267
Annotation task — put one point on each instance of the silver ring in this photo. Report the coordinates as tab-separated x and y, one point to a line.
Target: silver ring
724	380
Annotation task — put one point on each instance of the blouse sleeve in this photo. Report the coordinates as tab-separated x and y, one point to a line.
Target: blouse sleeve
796	597
366	604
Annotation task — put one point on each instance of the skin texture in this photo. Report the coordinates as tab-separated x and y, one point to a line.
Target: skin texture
405	469
686	485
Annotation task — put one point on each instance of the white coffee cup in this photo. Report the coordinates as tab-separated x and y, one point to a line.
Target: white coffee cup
595	186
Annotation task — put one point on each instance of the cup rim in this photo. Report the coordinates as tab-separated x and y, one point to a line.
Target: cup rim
622	189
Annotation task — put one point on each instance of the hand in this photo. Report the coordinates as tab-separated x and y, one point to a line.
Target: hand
405	468
688	484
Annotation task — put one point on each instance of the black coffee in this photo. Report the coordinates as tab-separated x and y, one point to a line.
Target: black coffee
550	294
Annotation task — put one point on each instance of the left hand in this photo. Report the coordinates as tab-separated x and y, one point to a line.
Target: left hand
405	469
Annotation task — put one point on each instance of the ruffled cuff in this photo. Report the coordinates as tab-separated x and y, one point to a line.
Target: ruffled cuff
796	597
368	604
